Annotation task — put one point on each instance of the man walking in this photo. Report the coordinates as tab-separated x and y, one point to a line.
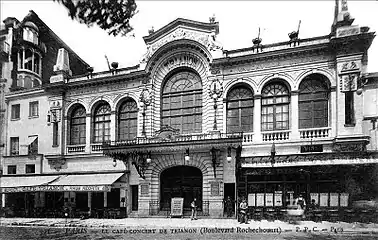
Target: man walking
193	205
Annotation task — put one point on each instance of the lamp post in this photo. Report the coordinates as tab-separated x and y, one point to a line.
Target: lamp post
145	98
215	91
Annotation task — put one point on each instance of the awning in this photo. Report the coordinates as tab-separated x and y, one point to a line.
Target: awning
24	183
31	140
100	182
101	179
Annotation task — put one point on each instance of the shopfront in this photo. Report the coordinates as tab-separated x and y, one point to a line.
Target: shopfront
93	195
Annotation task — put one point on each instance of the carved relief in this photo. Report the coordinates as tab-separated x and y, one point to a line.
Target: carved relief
206	40
57	163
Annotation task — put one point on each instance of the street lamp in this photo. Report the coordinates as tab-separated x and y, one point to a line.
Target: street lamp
145	98
215	91
187	157
229	158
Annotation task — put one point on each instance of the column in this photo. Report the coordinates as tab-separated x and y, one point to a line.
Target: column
40	65
18	60
23	58
88	133
90	201
333	115
33	61
105	199
257	137
113	126
294	116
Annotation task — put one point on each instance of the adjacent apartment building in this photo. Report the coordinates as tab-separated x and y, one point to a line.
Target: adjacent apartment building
192	120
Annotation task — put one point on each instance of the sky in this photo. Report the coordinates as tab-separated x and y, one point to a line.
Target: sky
239	22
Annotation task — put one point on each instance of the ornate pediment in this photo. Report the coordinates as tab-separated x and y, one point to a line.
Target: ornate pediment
203	33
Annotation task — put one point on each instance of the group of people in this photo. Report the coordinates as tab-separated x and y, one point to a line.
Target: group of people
299	203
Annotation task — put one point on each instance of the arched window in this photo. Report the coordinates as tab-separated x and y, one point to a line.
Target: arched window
275	103
182	102
101	123
77	126
240	110
313	102
127	120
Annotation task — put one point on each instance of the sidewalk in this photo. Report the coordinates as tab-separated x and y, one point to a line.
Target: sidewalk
182	223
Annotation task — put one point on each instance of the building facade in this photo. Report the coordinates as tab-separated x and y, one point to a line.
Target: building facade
193	120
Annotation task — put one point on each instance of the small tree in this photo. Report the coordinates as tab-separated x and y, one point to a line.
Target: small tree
111	15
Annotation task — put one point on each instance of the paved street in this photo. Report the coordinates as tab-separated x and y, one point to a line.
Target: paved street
177	228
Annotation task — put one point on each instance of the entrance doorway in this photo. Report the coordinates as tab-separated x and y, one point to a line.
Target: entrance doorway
134	197
229	191
181	181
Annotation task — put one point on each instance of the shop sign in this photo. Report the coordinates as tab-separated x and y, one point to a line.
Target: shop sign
99	188
177	206
311	148
214	188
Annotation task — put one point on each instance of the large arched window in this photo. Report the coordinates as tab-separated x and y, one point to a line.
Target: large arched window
275	107
127	120
182	102
313	102
77	126
101	123
240	110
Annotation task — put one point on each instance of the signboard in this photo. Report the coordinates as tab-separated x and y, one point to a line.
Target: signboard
269	200
98	188
323	200
214	188
277	199
344	197
144	189
259	199
314	196
251	200
177	205
311	148
334	200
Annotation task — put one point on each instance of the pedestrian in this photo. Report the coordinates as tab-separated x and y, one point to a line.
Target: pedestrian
243	212
300	202
229	206
193	205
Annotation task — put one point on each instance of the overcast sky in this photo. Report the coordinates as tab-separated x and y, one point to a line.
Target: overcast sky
238	20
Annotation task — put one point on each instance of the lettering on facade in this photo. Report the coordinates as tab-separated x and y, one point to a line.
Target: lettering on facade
348	31
182	60
144	189
214	188
311	148
98	188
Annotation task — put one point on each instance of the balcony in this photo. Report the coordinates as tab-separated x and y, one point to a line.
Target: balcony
275	135
96	148
310	133
76	148
167	142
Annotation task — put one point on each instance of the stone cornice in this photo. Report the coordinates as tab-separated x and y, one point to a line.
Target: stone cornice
181	22
263	56
24	93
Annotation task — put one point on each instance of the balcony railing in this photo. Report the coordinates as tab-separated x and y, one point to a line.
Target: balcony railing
314	133
180	138
275	136
96	147
247	137
75	148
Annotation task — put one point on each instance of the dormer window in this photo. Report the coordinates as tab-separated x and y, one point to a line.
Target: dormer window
30	33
